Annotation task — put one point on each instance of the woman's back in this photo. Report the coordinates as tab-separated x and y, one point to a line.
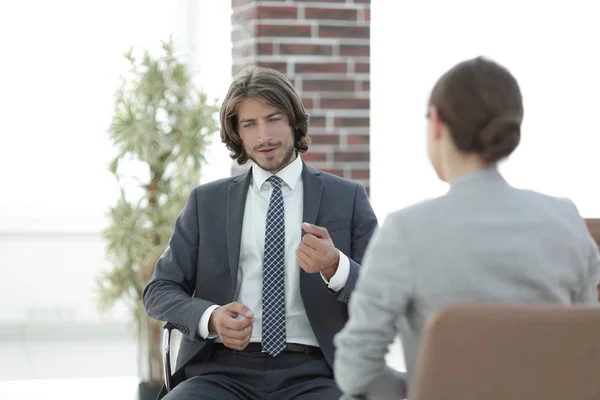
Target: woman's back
486	241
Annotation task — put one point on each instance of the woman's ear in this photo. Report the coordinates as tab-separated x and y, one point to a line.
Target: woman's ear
435	122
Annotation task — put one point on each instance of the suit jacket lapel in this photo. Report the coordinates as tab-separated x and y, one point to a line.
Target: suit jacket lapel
236	202
311	284
313	189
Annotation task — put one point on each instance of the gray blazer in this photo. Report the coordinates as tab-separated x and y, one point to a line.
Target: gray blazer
200	266
484	241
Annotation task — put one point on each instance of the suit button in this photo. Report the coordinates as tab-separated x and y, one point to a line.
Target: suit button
347	298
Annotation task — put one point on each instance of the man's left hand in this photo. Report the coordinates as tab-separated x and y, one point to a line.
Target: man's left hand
316	252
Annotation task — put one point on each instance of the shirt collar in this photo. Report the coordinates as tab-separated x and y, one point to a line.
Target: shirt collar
290	174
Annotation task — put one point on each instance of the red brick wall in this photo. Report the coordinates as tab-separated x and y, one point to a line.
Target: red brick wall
323	47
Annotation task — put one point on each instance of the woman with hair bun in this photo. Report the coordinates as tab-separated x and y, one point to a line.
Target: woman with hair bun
483	241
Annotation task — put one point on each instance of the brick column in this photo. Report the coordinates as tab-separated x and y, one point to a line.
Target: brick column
323	47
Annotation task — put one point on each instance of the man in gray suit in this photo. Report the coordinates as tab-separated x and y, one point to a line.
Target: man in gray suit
260	267
484	241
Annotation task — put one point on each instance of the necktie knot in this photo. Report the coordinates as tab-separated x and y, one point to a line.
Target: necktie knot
275	181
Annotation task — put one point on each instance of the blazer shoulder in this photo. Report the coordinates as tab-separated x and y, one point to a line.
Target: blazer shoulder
420	217
332	179
216	185
561	207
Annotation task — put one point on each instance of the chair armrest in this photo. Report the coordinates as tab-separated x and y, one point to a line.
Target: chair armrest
166	344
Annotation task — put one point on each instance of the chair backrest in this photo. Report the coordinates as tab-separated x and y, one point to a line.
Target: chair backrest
493	352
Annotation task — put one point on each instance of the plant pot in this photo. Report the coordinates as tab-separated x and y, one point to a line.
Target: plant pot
148	390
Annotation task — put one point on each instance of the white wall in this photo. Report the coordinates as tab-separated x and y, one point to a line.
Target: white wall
57	97
56	105
552	50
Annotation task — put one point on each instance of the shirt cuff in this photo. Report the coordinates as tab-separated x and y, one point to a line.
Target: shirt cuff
203	324
339	279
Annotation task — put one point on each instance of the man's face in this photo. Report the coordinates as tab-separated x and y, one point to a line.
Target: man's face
266	134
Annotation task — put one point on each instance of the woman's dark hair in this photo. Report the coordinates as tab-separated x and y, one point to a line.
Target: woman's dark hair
481	103
272	87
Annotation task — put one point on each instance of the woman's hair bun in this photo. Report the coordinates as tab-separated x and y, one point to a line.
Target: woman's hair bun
499	138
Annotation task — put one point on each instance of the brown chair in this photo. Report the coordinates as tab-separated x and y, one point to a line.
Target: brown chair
501	352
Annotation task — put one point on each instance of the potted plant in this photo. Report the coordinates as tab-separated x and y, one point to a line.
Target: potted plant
160	128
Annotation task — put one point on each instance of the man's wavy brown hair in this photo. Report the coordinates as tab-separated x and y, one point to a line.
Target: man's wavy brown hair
270	86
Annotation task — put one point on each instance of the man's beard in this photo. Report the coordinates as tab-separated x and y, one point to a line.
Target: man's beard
275	168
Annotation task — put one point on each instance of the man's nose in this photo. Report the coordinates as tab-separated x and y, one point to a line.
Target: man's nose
264	132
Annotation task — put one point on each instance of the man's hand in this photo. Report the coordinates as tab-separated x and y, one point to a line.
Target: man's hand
235	333
316	252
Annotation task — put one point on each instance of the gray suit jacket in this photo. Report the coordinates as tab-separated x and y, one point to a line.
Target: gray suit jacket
200	266
484	241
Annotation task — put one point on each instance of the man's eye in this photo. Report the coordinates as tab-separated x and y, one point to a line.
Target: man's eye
248	125
274	119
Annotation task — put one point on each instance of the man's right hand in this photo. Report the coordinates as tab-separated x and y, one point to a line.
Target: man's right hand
235	333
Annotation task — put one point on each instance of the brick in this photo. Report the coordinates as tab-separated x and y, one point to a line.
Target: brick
357	139
270	30
337	172
276	12
264	49
325	138
359	174
317	121
362	68
310	156
347	32
328	85
319	68
308	102
351	156
355	50
305	49
268	23
352	103
331	13
352	121
278	66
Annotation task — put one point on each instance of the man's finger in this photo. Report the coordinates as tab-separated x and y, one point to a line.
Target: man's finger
240	309
231	336
311	240
241	338
306	250
235	344
304	261
315	230
302	257
236	334
237	324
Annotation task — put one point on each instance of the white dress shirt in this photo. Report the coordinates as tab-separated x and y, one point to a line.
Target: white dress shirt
250	271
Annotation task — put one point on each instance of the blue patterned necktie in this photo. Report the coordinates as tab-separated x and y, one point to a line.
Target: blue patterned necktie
273	294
